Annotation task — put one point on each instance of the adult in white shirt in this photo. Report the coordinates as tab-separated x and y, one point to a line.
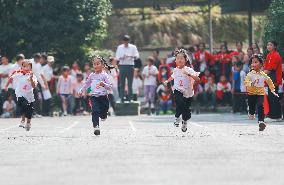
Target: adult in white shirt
5	68
48	74
126	53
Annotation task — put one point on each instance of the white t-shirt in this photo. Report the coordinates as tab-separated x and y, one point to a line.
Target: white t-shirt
130	51
5	70
38	71
150	75
15	67
182	82
64	85
24	87
47	72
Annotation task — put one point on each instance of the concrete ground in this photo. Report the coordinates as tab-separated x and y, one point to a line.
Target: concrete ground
218	149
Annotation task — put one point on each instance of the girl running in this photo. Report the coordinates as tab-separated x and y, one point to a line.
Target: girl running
25	82
184	78
99	83
255	85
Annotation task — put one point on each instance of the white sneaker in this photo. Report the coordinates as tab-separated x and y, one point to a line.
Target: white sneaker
251	117
28	127
97	131
177	121
104	119
65	114
184	126
152	106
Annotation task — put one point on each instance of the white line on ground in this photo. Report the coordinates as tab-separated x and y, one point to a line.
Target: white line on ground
132	126
8	128
69	127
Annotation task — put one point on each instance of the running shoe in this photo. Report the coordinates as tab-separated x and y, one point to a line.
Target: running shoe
104	119
261	125
177	121
184	126
97	131
22	124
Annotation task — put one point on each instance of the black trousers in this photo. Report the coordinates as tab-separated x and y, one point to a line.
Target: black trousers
79	105
182	106
26	108
274	105
256	101
112	102
100	106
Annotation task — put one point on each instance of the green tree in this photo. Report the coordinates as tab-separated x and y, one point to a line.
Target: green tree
274	28
63	27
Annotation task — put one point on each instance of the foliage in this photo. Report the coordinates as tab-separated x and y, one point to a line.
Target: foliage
62	27
274	28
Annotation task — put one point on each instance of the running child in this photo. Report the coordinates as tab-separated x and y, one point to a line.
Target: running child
24	82
99	83
184	78
255	85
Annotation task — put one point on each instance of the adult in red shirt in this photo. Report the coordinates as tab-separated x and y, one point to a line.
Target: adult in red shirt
273	67
224	60
239	49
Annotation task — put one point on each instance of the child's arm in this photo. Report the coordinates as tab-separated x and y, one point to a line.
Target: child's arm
10	80
248	82
86	84
106	83
191	73
270	85
33	83
169	80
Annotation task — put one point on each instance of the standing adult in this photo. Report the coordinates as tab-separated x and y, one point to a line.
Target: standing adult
48	74
126	53
273	68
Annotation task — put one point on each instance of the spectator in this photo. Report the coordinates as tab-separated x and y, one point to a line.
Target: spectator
255	47
150	73
126	53
114	73
64	88
246	64
164	70
204	78
9	108
239	49
204	58
48	74
79	107
224	60
223	92
137	84
250	52
5	68
198	97
87	70
75	70
273	68
239	104
165	97
210	93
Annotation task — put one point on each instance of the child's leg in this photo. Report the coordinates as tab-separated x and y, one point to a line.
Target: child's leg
28	113
251	104
146	93
64	103
95	111
104	106
179	103
186	114
260	108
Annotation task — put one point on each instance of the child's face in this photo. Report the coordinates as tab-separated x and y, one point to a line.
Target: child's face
222	79
79	79
238	68
149	63
210	80
180	60
98	66
255	64
10	98
65	73
114	62
246	59
87	67
26	66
